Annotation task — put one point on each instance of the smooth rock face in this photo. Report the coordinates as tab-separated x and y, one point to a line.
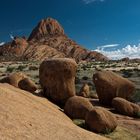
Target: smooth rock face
24	116
57	78
125	107
20	80
77	107
110	85
85	91
100	120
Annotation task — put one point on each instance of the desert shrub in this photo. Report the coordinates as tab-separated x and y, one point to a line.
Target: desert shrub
21	67
136	96
114	65
77	80
127	73
80	123
137	114
10	69
85	78
33	68
107	131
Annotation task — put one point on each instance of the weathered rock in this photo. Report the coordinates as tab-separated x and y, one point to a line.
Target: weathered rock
77	107
13	49
125	107
57	78
85	91
110	85
28	85
24	116
46	27
100	120
20	80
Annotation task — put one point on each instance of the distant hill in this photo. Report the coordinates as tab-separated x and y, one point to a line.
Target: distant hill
47	40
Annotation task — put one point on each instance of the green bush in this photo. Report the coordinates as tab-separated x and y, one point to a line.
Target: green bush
10	69
136	96
21	67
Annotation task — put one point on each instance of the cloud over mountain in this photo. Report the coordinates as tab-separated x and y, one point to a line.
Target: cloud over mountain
128	51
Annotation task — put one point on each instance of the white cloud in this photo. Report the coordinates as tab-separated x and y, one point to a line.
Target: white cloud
108	46
128	51
2	43
90	1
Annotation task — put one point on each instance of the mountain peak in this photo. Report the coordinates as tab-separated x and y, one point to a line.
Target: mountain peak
46	27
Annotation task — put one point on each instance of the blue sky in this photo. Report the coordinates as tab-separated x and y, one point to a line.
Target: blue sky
92	23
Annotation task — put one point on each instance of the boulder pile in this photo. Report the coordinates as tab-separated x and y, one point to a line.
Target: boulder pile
20	80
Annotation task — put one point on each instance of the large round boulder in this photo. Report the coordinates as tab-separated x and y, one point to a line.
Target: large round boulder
84	91
20	80
77	107
125	107
28	85
14	78
110	85
100	120
57	78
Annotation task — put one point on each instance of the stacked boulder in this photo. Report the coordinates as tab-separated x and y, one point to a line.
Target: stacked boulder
57	78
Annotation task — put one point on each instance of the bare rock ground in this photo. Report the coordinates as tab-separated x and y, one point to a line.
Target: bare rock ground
24	116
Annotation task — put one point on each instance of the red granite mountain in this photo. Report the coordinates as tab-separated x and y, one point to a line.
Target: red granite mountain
47	40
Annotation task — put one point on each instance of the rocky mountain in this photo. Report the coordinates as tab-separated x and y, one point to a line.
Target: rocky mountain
47	40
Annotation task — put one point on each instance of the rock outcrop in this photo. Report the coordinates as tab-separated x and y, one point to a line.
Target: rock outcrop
77	107
29	117
125	107
57	78
110	85
14	50
100	120
48	40
46	28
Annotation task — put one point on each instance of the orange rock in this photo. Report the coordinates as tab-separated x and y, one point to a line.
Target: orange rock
77	107
100	120
20	80
85	91
125	107
110	85
57	78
